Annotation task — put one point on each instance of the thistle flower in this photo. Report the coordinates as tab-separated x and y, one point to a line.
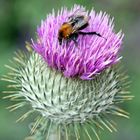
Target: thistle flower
92	55
72	89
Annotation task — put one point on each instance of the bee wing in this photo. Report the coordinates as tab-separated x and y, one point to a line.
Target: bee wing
82	22
79	11
79	19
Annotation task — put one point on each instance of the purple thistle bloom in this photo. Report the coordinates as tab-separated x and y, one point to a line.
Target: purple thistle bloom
93	53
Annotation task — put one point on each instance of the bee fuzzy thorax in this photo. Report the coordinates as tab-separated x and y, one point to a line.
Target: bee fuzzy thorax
65	30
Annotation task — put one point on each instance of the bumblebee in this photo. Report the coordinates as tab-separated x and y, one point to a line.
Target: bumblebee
71	29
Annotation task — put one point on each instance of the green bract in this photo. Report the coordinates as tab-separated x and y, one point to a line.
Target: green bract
66	108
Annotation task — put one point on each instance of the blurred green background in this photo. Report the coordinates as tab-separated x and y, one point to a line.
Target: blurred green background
18	22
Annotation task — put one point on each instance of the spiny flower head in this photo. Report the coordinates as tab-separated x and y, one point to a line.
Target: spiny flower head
92	53
53	80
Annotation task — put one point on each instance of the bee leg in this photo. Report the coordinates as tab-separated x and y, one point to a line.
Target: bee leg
75	42
90	33
74	38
